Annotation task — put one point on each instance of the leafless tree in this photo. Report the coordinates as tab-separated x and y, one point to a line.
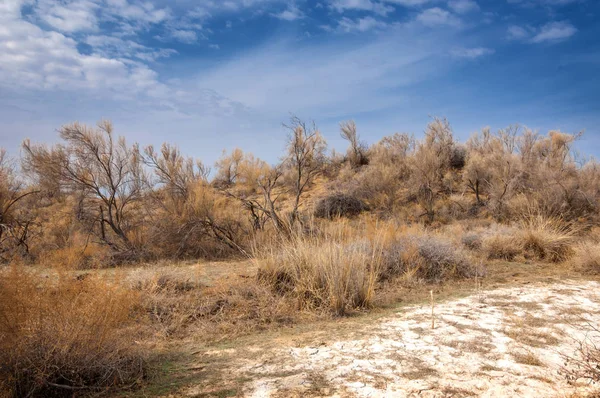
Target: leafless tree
306	157
105	168
357	152
12	191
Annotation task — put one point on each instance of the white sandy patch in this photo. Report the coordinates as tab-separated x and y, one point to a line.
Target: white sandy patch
475	350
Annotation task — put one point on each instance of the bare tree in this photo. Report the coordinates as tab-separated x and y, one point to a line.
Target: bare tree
174	173
12	191
107	170
228	167
306	156
357	152
431	163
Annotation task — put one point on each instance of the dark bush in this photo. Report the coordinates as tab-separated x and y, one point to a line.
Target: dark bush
339	205
458	157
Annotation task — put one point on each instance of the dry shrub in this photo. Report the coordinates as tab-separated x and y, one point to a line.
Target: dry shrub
62	336
74	257
587	258
548	238
584	364
323	273
429	258
472	241
500	246
170	297
233	309
339	205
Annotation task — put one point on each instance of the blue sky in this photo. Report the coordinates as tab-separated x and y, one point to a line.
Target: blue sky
211	75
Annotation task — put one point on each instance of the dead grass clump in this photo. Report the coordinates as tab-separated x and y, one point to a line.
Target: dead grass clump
429	258
323	274
472	241
587	258
548	238
526	358
339	205
62	336
501	247
442	260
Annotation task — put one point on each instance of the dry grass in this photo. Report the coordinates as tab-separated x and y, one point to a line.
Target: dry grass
526	358
548	238
502	247
66	335
427	257
587	258
318	273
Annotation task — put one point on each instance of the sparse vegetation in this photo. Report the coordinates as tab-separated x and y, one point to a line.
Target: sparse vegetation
319	236
76	335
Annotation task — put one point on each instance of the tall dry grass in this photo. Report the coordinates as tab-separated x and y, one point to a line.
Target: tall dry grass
339	266
66	335
548	237
427	258
587	258
323	273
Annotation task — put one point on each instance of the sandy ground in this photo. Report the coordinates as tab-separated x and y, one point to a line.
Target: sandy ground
502	343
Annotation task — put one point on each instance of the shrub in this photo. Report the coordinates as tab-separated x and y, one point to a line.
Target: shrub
442	260
501	247
323	274
472	241
426	257
57	337
548	238
584	364
458	157
339	205
587	258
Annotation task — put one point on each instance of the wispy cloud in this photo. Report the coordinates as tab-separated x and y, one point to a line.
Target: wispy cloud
472	53
412	3
438	17
542	3
515	32
362	5
551	32
344	80
116	47
463	6
360	24
292	13
554	31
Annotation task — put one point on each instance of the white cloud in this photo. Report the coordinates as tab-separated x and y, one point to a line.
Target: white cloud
515	32
472	53
344	80
550	32
463	6
115	47
412	3
292	13
541	3
184	35
31	58
214	46
215	7
141	12
73	16
362	5
437	17
554	31
360	25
